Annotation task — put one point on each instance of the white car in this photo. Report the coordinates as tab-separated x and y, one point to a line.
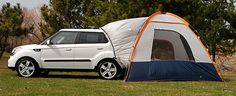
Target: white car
68	49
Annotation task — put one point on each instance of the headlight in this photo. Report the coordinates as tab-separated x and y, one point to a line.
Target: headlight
13	52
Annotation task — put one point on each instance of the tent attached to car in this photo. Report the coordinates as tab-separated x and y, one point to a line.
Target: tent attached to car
160	47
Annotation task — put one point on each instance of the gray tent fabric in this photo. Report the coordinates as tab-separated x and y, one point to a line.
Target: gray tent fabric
123	34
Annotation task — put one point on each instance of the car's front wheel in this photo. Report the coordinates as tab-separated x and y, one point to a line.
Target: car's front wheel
26	67
108	69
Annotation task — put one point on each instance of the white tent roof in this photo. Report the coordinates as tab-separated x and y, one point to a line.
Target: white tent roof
123	35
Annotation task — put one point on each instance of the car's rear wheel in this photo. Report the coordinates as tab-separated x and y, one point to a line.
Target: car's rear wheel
108	69
26	67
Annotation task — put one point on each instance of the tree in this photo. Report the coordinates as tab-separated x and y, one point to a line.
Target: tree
101	12
31	20
62	14
214	19
87	13
11	19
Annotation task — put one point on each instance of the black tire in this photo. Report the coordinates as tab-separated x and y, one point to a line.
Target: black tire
121	75
108	69
27	67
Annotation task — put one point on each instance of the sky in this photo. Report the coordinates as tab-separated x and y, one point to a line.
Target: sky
30	4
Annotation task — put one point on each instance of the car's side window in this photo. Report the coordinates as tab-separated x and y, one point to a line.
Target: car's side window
92	37
64	38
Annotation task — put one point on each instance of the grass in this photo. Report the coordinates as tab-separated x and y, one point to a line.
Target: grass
88	83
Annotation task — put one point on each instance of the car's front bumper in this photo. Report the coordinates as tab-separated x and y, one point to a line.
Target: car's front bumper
12	62
12	68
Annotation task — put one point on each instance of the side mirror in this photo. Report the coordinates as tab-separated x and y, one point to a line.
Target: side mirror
48	42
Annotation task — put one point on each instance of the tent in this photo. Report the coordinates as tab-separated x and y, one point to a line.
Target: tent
160	47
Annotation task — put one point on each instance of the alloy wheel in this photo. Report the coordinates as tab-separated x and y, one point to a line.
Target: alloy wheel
26	68
108	70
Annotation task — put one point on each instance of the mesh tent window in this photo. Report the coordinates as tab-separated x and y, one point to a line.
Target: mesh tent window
170	45
163	52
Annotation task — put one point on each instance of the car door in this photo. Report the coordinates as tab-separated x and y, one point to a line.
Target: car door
59	54
90	45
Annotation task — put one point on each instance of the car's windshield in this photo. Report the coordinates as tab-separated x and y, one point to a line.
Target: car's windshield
45	40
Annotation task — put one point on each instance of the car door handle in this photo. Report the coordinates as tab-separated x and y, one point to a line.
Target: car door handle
99	48
68	49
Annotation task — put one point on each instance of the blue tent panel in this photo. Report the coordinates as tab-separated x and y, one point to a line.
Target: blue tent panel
172	70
